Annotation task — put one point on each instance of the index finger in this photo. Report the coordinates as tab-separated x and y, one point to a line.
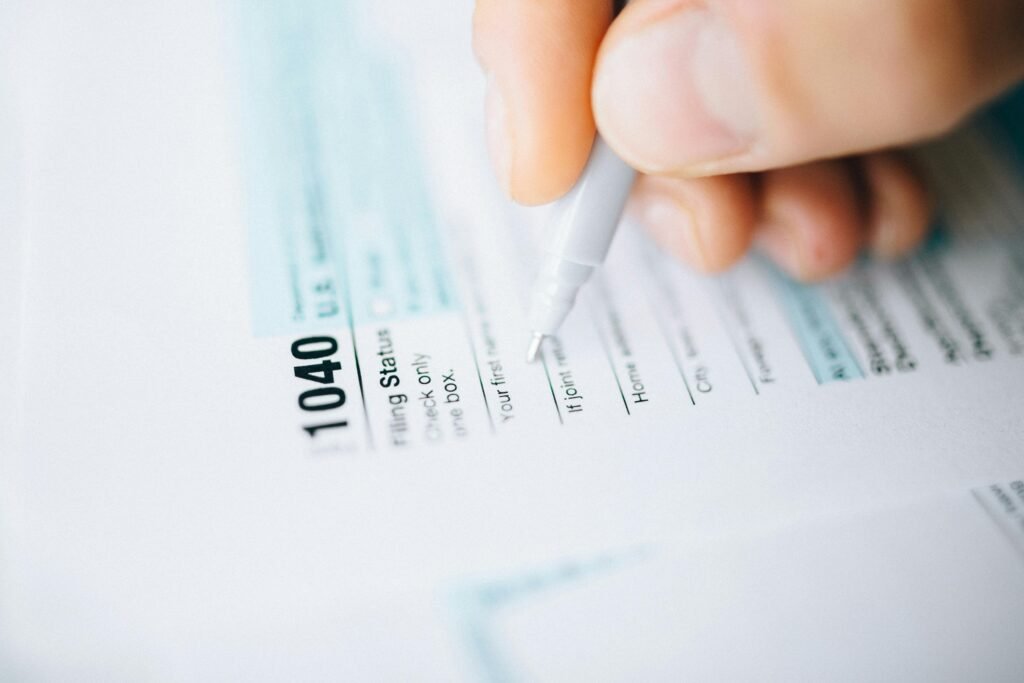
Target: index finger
539	59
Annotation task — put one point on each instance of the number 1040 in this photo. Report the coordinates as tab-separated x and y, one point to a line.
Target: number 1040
322	398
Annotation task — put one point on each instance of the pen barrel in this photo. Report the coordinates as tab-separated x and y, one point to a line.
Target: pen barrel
585	221
587	216
555	293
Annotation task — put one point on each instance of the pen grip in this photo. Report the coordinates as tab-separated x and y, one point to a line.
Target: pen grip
591	210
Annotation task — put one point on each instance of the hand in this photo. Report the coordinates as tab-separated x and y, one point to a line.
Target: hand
774	119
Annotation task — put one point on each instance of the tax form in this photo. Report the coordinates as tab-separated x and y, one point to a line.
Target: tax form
422	305
271	405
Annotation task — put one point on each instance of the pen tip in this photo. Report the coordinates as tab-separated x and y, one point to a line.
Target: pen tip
531	353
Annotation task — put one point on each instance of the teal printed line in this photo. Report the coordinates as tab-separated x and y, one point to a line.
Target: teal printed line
477	604
341	226
820	338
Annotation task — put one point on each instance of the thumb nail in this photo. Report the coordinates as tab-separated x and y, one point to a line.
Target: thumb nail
676	93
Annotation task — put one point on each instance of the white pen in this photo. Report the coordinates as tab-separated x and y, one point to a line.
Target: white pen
584	224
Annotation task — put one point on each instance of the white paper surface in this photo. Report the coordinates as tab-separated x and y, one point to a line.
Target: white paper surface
929	591
167	516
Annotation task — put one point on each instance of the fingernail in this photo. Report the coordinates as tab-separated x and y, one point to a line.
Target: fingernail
499	138
672	225
778	241
887	240
677	93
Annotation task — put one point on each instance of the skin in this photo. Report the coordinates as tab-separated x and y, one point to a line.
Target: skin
770	123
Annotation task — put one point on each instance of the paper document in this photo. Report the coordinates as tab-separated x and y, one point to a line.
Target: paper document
405	303
273	411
